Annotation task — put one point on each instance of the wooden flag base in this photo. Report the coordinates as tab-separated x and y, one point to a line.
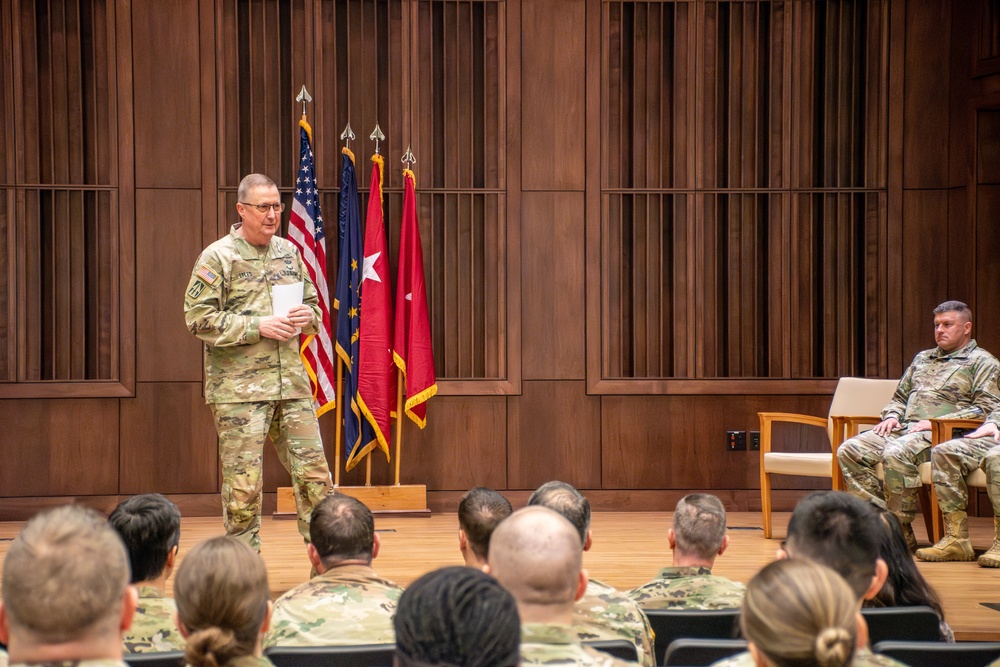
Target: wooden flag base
401	499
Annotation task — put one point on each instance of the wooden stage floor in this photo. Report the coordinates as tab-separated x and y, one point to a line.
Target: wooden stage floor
629	549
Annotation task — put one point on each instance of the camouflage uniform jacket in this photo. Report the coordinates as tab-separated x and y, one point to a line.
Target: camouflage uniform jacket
688	588
72	663
555	644
863	657
954	385
153	627
345	605
250	661
229	291
605	612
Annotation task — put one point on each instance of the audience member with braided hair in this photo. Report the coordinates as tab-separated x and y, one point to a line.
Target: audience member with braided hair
223	604
457	616
66	597
797	613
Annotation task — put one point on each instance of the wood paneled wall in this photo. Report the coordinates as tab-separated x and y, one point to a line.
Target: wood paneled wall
643	221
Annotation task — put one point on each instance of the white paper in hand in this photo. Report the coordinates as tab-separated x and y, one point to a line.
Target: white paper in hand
286	297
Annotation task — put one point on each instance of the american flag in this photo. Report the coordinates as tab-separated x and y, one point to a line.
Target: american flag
305	230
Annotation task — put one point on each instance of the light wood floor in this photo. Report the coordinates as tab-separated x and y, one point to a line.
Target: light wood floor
629	549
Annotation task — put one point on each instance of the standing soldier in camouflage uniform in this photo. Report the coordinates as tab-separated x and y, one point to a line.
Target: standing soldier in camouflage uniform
255	382
954	380
951	462
696	540
346	603
535	554
66	597
150	527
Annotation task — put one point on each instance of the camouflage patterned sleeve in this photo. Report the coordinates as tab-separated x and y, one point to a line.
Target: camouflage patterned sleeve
204	304
309	297
985	395
897	406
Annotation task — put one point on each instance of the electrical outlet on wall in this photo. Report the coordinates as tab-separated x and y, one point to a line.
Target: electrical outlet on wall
736	440
755	441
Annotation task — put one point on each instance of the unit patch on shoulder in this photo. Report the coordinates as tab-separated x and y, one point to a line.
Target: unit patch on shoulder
208	274
197	287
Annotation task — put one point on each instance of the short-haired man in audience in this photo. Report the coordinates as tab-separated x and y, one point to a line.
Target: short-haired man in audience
840	531
479	513
346	603
536	555
697	538
603	612
150	527
956	379
66	596
950	462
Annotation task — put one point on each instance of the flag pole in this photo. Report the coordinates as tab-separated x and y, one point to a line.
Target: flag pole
368	469
399	420
339	416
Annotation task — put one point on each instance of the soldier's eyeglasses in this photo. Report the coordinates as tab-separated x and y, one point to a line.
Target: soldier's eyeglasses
264	208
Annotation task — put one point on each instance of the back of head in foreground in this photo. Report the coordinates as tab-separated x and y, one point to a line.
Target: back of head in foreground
566	500
150	526
65	589
905	586
479	513
223	602
842	532
535	553
798	613
699	528
341	529
457	616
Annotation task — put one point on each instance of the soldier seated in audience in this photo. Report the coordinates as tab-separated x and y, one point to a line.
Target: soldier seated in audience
697	538
603	612
150	527
66	596
346	603
535	553
842	532
479	513
457	616
223	604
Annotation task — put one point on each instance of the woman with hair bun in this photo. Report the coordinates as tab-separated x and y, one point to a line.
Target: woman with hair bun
797	613
223	604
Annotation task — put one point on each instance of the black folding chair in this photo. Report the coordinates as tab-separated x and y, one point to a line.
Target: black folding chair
911	624
365	655
671	624
701	652
928	654
622	649
161	659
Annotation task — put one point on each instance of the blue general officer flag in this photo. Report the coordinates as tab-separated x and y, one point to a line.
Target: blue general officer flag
348	298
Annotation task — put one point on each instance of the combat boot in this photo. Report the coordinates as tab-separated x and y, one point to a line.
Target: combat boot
911	539
955	545
992	557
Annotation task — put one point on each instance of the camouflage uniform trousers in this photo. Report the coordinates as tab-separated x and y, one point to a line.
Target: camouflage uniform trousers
951	461
859	455
242	427
902	460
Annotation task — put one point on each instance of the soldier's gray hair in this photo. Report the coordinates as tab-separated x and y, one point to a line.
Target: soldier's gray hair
251	181
64	577
798	612
222	596
955	307
566	500
699	525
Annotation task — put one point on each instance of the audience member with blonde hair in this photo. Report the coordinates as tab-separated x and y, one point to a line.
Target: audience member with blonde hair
223	604
797	613
66	596
535	554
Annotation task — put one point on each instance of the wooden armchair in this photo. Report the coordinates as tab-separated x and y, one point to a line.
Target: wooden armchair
943	430
857	402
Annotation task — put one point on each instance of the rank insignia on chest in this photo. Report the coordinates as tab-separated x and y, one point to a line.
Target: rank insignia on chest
206	273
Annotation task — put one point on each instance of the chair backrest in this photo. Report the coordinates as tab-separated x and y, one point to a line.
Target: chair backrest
700	652
927	654
916	624
161	659
860	396
622	649
671	624
365	655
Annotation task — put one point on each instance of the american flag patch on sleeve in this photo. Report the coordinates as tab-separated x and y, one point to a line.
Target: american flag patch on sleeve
206	273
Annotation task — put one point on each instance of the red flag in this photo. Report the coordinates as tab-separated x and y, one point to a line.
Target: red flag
377	372
412	349
305	230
